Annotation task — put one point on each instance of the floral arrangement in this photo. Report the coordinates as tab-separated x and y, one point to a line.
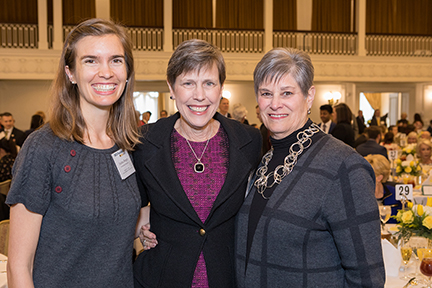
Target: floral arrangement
407	163
416	220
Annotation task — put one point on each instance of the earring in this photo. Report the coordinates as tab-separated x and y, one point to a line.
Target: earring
171	97
309	111
127	81
73	82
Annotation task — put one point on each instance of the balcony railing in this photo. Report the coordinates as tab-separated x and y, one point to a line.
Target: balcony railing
227	40
399	45
19	36
318	43
243	41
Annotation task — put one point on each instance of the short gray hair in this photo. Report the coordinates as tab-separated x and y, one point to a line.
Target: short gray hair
239	111
280	62
192	55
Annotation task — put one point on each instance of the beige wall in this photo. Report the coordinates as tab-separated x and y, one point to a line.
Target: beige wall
23	98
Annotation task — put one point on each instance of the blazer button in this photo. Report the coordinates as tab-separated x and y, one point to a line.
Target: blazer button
202	232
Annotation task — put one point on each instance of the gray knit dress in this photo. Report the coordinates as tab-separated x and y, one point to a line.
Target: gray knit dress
89	212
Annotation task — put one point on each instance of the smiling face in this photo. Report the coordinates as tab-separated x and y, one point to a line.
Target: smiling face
197	95
100	71
283	107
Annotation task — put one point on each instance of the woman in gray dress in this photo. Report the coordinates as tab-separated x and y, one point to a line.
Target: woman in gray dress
74	198
310	218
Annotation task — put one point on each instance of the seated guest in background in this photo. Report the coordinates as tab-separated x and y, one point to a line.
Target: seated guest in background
372	146
10	131
388	142
362	138
224	107
239	113
36	122
425	135
412	138
8	153
423	151
343	130
326	115
315	224
73	210
384	191
418	125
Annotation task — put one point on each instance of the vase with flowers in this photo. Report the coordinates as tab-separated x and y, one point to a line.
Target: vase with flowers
415	220
407	166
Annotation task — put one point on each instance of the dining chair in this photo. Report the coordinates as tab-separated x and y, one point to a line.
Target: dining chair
4	237
4	187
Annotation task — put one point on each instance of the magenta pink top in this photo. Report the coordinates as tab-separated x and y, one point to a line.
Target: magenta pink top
201	188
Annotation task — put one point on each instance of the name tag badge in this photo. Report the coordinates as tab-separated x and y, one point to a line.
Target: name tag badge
123	163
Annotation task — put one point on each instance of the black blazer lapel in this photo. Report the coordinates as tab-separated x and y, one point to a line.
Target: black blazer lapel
162	168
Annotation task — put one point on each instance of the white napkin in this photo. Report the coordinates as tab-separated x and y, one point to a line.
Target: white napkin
392	258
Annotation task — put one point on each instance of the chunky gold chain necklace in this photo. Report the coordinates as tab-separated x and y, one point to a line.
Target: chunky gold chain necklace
304	141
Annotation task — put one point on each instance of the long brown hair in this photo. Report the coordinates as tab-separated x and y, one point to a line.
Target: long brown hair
67	121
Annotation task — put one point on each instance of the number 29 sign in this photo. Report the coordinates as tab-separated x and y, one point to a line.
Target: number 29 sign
404	191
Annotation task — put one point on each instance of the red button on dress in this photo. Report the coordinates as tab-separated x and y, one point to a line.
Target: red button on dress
58	189
67	168
72	153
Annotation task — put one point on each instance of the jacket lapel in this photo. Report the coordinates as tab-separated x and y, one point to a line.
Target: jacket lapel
162	168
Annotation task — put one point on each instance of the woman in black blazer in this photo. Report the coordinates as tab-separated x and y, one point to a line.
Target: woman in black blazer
192	168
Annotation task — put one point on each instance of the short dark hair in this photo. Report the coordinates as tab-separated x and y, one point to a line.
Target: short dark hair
373	132
7	114
327	107
194	55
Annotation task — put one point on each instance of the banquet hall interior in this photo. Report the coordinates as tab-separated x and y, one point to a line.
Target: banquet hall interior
368	54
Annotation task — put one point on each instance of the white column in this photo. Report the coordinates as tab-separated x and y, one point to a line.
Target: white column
304	15
42	25
268	25
103	9
168	31
57	25
361	27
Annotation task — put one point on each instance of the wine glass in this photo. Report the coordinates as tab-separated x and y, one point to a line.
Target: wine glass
420	248
426	268
385	213
406	252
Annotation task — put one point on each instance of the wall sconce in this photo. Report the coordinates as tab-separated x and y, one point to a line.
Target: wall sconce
226	94
333	97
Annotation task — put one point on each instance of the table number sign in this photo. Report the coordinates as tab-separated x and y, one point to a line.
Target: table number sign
392	154
404	192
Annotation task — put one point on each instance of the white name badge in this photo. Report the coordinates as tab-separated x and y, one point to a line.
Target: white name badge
123	163
392	154
404	190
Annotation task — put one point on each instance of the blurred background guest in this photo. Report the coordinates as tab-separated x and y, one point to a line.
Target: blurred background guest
11	132
384	190
372	146
8	153
326	115
163	114
388	142
423	151
343	130
360	122
36	122
412	138
224	107
239	113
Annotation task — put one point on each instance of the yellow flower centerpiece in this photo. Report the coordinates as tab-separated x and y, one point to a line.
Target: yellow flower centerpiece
407	164
415	220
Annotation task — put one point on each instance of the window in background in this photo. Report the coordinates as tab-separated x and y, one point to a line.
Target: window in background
367	109
147	101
